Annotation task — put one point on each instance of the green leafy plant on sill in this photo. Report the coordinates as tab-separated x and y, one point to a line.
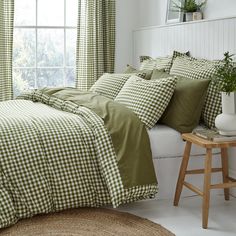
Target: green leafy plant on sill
226	75
189	6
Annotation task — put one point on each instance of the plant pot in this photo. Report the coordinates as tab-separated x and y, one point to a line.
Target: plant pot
188	16
197	15
226	122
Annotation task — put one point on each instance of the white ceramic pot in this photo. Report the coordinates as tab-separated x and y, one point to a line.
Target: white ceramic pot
226	122
188	16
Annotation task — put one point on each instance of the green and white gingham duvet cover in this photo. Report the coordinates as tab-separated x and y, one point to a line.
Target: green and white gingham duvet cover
57	154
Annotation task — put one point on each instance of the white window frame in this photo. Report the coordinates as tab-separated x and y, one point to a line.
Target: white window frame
36	28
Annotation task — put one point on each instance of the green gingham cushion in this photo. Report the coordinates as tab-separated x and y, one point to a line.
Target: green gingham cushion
109	85
144	58
160	63
192	68
212	107
175	54
130	69
147	98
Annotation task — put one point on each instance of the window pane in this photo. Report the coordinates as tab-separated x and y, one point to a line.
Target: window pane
23	80
24	48
70	47
71	12
25	12
50	78
50	47
70	77
51	13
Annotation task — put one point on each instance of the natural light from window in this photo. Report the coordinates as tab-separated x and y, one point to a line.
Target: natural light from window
44	44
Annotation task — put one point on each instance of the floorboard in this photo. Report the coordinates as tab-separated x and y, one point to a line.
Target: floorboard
185	220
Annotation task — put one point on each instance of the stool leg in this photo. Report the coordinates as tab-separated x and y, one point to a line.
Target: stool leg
182	171
225	170
206	188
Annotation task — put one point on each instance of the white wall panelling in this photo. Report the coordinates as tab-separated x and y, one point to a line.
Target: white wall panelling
204	39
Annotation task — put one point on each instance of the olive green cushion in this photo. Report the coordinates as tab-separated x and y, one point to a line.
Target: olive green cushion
130	69
184	110
159	74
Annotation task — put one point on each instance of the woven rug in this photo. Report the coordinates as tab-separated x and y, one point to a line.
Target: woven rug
86	222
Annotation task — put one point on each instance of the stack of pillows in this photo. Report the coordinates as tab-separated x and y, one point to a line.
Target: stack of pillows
177	91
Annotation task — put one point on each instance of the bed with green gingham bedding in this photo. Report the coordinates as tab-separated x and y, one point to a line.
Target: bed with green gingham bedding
62	148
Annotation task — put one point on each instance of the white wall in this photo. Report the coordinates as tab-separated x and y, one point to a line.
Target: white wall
220	8
150	12
126	21
153	12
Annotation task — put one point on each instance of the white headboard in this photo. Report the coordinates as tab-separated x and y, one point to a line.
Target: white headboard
204	39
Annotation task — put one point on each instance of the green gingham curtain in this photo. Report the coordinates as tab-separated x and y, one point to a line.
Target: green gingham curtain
6	44
95	41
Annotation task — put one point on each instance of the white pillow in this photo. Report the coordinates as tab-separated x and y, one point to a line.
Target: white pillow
148	99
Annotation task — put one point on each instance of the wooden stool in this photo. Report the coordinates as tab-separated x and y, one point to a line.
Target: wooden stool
228	182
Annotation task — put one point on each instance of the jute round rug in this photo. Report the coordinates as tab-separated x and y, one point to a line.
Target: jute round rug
86	222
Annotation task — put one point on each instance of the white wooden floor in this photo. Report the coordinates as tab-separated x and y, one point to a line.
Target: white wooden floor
185	220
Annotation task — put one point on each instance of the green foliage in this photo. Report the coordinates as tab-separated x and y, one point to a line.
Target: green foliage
20	84
190	6
226	75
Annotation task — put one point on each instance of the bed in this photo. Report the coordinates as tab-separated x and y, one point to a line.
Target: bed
61	148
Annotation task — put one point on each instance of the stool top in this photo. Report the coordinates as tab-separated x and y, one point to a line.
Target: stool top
192	138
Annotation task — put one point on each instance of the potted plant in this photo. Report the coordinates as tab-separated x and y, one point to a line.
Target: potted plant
226	81
191	9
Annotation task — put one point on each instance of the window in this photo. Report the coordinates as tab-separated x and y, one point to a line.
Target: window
44	44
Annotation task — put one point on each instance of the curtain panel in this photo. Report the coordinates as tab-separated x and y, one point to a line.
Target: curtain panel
95	41
6	44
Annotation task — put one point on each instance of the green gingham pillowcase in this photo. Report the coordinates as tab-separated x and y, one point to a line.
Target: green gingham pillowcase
130	69
160	63
148	99
144	58
192	68
175	54
212	107
109	85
